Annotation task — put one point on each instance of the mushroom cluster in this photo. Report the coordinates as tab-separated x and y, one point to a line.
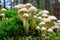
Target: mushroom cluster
46	22
3	10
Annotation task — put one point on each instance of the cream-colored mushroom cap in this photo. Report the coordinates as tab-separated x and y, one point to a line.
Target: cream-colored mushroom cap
35	16
58	21
40	18
43	28
32	9
28	4
47	20
42	23
44	15
16	6
46	12
3	9
25	15
2	14
49	30
52	17
56	26
37	27
23	9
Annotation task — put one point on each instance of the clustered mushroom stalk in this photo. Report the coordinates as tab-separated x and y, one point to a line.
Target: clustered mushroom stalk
21	12
52	18
32	12
47	21
3	16
43	31
25	22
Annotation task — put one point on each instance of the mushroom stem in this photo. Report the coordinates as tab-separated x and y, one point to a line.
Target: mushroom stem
25	22
33	20
43	35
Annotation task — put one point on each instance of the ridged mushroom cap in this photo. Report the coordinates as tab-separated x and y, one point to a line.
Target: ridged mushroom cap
23	9
32	9
43	28
52	17
49	30
25	15
37	27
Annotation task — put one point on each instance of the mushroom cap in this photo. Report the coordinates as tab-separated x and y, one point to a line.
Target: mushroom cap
44	15
6	18
28	4
47	12
58	21
37	27
40	18
25	15
32	9
40	13
2	14
52	17
16	6
43	28
56	26
22	10
42	23
35	16
49	30
3	9
47	20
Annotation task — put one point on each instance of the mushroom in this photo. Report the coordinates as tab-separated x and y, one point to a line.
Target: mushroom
44	16
28	5
16	7
47	21
6	18
42	24
21	12
3	10
3	16
25	22
49	31
52	18
38	29
32	11
43	35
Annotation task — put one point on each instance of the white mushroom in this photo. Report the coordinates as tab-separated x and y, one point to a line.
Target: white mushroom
3	16
32	11
3	10
21	12
49	30
25	21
